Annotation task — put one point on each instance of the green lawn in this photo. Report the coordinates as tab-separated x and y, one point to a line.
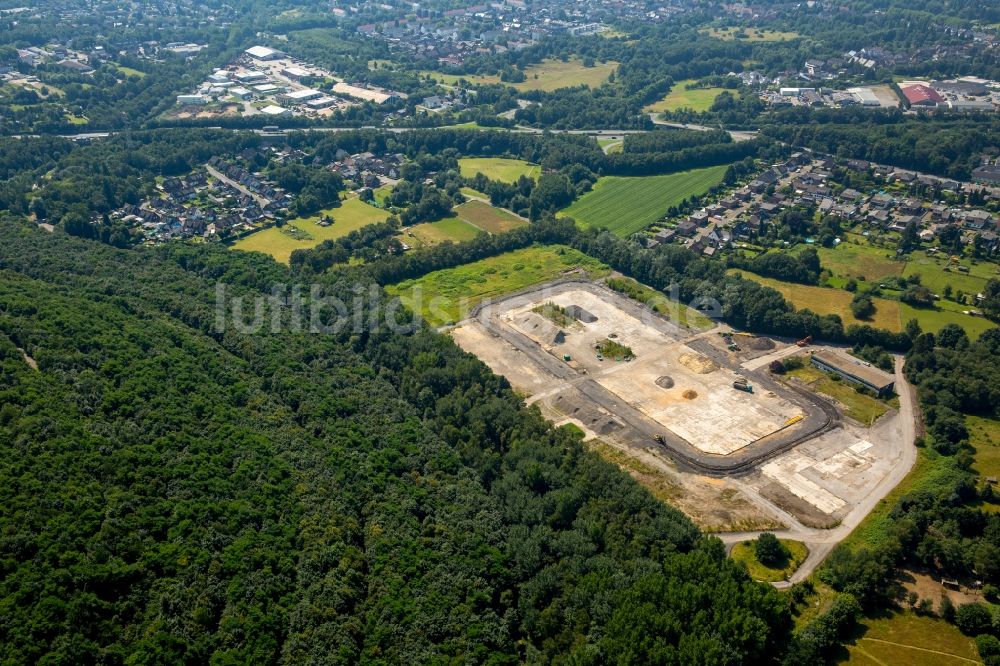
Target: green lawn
936	272
679	97
823	300
76	120
984	435
129	71
751	34
488	218
447	295
862	408
498	168
546	76
380	193
850	260
945	312
553	74
744	552
469	192
453	79
431	233
903	638
351	215
626	205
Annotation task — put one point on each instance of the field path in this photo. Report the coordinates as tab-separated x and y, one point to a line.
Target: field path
914	647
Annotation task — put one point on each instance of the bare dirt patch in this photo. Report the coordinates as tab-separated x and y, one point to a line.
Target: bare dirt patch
806	513
714	505
698	363
931	587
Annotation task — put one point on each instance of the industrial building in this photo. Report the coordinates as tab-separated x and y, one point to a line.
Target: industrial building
263	53
296	73
855	370
921	95
865	96
251	77
192	99
274	110
301	96
364	94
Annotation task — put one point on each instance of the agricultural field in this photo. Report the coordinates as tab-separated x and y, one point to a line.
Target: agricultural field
625	205
554	74
679	97
984	435
452	229
823	300
744	552
904	638
498	168
351	215
751	34
456	290
488	218
862	408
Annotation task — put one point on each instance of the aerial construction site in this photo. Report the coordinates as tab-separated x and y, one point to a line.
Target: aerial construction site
695	415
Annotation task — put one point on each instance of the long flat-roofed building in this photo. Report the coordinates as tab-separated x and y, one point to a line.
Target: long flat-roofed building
300	96
263	53
362	93
855	370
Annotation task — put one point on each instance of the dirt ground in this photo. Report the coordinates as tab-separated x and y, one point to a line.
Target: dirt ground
714	505
702	406
928	587
679	381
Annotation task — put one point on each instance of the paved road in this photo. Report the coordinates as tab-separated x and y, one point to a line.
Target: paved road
762	361
738	135
263	201
900	432
609	133
644	432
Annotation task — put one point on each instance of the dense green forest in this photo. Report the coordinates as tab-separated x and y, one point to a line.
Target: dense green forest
942	145
175	493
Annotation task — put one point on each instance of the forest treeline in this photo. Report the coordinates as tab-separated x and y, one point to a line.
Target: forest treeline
944	145
176	493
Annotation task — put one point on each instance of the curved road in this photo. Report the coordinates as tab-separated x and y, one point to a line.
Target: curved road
901	430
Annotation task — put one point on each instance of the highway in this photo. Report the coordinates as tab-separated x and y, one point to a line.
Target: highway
597	133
